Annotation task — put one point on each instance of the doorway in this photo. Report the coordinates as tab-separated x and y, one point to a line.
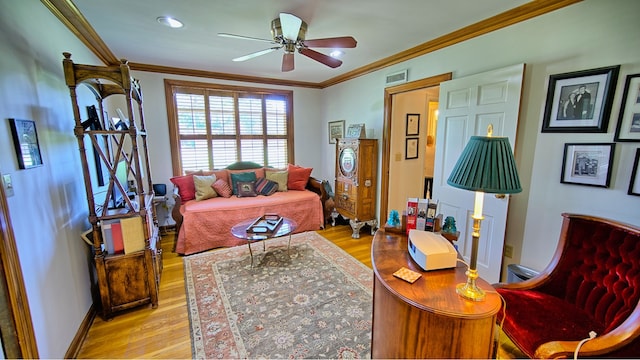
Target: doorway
16	328
391	198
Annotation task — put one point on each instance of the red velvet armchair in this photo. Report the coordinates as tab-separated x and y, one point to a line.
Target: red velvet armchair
591	284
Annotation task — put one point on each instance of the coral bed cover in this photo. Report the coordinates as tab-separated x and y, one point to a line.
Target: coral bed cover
207	224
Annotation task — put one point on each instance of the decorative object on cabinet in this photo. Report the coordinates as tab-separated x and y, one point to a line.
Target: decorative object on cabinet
25	142
413	125
411	148
634	183
628	128
580	101
356	179
357	131
494	173
587	164
336	131
129	276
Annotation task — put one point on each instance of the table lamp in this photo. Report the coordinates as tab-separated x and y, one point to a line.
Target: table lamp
485	166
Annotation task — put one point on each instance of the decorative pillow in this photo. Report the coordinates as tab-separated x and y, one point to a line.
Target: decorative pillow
266	187
259	173
298	177
204	189
280	177
243	176
186	188
222	188
220	174
246	189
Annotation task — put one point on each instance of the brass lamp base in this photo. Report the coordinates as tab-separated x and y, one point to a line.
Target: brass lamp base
469	290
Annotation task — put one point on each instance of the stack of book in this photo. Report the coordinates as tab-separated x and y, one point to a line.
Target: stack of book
421	214
123	236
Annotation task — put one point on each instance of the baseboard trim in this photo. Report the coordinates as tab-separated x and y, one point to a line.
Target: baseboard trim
81	334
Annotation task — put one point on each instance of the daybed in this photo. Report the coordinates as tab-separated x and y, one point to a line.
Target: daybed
205	223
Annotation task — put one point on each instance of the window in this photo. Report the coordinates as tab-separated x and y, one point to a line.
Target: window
212	126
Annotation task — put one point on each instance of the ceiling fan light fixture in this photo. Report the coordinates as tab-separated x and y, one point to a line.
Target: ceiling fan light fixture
170	22
336	54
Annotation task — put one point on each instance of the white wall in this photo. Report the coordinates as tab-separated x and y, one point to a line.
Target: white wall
583	36
49	210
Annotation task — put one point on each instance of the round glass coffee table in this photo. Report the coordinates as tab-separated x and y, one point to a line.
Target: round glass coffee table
287	227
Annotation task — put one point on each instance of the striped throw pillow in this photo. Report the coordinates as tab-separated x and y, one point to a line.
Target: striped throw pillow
265	186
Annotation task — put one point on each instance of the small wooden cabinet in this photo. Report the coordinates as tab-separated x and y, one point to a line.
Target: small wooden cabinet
120	170
356	180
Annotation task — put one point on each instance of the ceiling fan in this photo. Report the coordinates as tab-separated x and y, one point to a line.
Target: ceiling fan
288	33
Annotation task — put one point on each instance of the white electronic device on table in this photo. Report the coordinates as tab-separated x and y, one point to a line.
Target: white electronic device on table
431	251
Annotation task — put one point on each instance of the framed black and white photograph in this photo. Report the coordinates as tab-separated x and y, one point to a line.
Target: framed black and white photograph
413	124
634	184
580	101
25	142
628	128
336	131
587	164
411	148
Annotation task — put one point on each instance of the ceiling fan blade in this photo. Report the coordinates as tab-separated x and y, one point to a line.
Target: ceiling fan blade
287	62
335	42
320	57
290	26
256	54
246	38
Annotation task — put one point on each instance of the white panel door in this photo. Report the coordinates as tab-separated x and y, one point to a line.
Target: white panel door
467	106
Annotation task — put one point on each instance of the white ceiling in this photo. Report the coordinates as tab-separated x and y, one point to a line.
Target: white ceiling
382	28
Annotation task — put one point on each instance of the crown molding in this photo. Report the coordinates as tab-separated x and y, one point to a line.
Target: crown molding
68	14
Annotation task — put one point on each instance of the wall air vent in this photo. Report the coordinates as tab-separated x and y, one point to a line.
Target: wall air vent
396	78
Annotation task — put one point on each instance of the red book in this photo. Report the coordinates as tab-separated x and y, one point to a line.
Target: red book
412	213
118	242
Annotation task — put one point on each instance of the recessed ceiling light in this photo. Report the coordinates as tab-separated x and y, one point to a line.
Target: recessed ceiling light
170	22
336	53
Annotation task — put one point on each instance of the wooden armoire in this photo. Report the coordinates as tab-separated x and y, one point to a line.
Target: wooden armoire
356	182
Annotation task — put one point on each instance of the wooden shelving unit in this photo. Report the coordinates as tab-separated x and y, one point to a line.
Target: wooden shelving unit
130	279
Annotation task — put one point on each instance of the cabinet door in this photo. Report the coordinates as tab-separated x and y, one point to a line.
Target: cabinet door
127	280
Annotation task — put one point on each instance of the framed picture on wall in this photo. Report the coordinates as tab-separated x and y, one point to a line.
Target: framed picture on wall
628	128
587	164
634	184
580	101
413	124
336	131
411	148
25	142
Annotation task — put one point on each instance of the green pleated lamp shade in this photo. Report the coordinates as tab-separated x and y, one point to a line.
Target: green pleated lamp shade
486	165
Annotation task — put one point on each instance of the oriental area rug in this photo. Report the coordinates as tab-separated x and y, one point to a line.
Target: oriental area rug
311	300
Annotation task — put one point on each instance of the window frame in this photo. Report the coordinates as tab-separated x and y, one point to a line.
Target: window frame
174	86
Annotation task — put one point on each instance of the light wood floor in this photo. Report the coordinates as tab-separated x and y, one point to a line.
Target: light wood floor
164	332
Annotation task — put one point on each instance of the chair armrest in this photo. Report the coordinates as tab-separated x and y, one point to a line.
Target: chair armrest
317	187
175	212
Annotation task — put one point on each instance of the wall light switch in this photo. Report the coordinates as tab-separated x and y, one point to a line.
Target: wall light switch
398	156
7	183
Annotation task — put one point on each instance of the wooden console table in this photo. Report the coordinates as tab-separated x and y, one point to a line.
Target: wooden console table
426	319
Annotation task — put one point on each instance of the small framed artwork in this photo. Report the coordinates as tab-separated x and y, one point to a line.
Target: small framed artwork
357	131
413	124
587	164
580	101
634	184
25	141
336	131
411	148
628	128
